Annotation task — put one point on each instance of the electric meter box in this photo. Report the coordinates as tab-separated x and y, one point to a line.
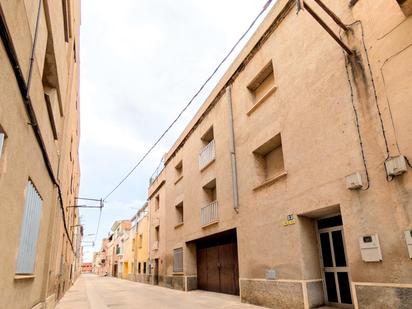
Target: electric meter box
354	181
396	166
408	238
370	248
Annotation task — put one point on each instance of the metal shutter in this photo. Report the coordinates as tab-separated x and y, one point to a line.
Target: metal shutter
178	260
29	231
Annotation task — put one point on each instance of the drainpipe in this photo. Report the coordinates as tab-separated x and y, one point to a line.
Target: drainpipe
235	191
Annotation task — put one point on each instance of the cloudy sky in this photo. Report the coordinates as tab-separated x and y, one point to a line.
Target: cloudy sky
141	61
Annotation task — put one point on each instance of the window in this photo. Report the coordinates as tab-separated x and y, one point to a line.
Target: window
2	137
138	268
178	260
157	202
29	231
406	6
207	154
208	136
179	214
269	159
140	240
262	86
157	233
210	191
179	171
144	267
117	249
133	244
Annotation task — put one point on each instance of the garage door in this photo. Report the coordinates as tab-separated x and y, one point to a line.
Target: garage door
217	264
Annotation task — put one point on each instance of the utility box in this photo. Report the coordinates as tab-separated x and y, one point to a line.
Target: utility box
354	181
396	166
408	238
370	248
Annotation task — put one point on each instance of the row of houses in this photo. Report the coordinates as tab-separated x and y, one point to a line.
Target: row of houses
124	253
291	186
41	232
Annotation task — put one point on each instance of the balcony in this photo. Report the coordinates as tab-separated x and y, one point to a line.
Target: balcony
209	214
207	155
155	245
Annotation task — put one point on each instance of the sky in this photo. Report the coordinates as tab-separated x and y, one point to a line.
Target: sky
141	62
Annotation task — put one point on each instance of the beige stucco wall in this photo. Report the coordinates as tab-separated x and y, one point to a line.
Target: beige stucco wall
22	159
313	112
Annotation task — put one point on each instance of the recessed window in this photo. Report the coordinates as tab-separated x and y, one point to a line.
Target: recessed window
179	171
207	154
269	159
157	233
140	240
263	84
139	268
178	260
406	6
157	202
29	231
210	191
144	267
179	214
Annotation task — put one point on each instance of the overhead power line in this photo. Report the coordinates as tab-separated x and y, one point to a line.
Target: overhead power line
190	101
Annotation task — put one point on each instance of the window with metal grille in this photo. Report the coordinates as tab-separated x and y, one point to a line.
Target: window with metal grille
178	260
29	231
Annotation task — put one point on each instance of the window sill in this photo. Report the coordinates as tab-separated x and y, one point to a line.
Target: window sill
261	100
179	225
178	273
23	277
270	181
178	179
207	165
210	223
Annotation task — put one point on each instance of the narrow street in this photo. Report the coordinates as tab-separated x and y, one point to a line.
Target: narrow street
94	292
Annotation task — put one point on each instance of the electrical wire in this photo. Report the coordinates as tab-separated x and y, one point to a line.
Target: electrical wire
98	225
190	101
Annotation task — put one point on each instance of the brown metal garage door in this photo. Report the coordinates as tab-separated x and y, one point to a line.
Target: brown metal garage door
217	263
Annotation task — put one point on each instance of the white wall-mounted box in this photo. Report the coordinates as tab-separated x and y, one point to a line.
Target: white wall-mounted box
370	248
396	166
354	181
408	238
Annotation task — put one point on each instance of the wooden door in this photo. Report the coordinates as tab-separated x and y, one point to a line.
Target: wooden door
217	268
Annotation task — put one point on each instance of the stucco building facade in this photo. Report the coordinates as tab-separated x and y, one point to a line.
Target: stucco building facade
291	186
39	163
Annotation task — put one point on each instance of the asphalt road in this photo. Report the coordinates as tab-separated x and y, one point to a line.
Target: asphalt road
94	292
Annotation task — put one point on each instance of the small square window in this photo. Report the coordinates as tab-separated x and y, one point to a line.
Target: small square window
179	213
269	159
179	171
263	84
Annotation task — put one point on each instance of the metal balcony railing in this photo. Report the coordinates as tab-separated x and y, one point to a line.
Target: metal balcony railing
207	155
155	245
157	172
209	214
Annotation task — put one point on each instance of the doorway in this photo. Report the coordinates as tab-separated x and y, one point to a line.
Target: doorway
156	272
217	263
335	270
